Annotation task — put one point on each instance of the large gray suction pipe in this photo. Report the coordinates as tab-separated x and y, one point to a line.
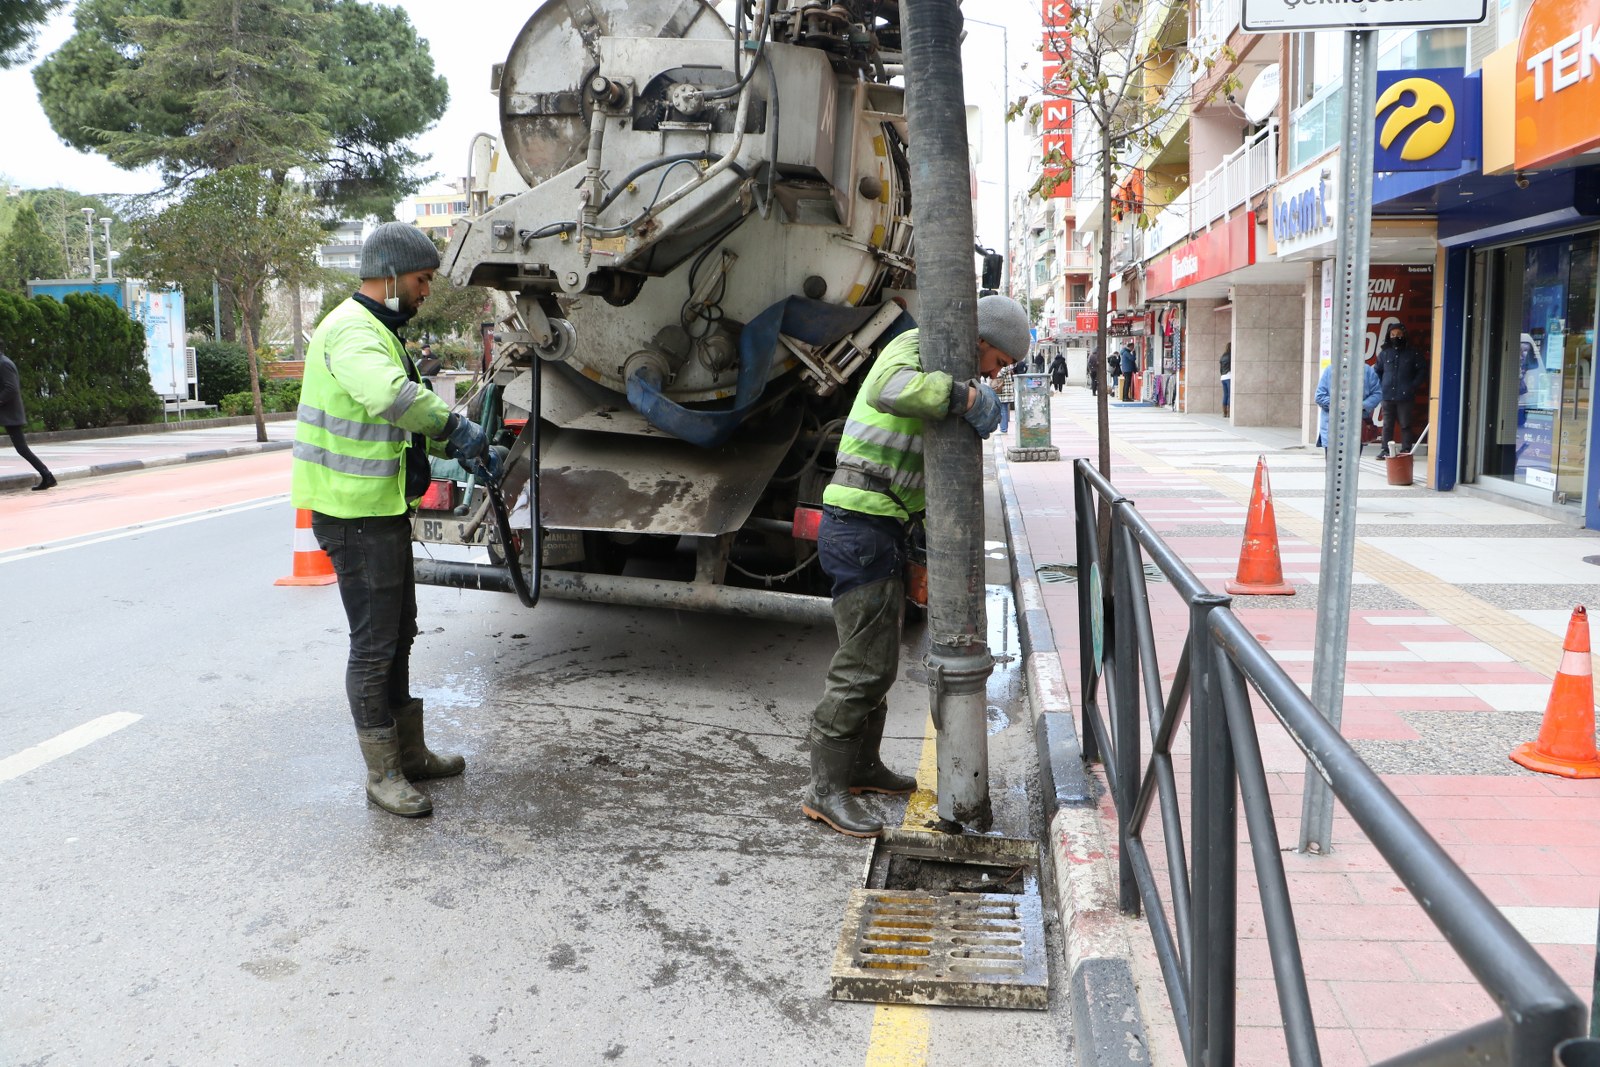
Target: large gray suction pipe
959	663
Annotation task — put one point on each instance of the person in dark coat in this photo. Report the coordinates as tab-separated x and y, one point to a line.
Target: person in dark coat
1130	364
1058	372
1400	370
14	418
1093	371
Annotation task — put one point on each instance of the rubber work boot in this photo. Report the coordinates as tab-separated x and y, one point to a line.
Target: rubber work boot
828	797
386	783
869	775
416	761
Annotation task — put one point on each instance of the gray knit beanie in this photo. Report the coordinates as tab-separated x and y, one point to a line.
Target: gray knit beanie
397	248
1003	323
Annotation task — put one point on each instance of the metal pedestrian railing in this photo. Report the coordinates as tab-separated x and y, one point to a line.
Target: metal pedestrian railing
1221	662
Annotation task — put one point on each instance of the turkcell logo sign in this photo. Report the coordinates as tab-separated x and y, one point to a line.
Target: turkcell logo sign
1417	115
1276	16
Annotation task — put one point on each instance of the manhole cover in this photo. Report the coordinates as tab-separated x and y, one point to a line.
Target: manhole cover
971	949
951	919
1051	573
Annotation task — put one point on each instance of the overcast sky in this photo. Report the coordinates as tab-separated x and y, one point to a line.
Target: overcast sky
466	37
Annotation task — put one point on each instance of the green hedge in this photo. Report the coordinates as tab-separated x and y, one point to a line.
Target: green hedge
81	361
279	395
223	367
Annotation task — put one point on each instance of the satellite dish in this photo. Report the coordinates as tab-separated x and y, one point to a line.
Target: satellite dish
1262	99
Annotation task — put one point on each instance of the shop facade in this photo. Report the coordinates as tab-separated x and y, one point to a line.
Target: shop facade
1519	265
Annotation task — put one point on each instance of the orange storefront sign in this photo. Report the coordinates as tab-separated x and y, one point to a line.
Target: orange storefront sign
1558	81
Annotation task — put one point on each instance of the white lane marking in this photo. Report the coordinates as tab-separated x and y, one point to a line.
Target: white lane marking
64	744
1554	926
34	552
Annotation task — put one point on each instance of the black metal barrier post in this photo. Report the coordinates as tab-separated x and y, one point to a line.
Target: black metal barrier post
1221	662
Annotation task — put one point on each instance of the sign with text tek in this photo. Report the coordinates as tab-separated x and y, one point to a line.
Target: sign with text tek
1558	81
1278	16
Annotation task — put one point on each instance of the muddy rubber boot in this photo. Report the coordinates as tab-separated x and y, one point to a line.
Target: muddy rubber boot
386	783
869	775
828	797
416	761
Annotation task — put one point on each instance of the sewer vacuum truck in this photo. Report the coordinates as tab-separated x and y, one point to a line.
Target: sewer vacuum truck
709	236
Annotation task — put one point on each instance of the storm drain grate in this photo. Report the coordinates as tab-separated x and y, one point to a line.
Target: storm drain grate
1050	573
964	949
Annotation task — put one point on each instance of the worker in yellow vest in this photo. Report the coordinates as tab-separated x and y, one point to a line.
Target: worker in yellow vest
360	464
876	495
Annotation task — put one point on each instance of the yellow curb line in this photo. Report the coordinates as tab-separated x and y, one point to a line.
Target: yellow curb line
900	1032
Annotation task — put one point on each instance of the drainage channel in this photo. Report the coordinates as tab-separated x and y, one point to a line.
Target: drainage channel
946	919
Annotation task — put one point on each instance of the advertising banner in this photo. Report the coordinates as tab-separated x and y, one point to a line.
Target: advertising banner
1399	295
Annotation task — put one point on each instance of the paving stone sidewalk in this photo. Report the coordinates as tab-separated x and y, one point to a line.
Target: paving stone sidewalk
1458	610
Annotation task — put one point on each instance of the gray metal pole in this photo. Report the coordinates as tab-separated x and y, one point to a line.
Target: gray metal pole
1344	420
88	222
959	663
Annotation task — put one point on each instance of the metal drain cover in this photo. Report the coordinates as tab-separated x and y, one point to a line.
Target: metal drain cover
965	949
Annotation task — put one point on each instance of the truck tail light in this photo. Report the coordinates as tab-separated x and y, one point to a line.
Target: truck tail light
440	495
806	523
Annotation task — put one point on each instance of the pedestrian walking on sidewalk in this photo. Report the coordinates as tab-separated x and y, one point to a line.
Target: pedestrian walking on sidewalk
14	417
360	462
1130	365
875	498
1058	372
1400	369
1225	372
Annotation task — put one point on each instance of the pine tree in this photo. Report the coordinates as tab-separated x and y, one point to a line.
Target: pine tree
28	253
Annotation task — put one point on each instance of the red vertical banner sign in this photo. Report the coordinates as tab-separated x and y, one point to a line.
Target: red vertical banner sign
1056	120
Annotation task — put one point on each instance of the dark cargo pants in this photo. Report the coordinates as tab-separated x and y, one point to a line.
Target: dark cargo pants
372	558
864	555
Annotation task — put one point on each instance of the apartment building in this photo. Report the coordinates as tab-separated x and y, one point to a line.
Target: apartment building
1485	240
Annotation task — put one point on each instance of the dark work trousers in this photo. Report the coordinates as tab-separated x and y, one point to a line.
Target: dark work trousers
1401	412
865	557
372	558
20	443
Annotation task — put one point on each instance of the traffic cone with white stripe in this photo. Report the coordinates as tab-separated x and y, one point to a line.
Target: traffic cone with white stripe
311	564
1260	566
1566	738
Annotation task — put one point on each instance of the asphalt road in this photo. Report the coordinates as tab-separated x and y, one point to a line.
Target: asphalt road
622	875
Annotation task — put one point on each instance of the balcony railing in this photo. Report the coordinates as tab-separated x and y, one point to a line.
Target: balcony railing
1245	171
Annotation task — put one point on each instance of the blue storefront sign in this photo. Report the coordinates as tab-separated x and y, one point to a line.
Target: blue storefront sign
1427	120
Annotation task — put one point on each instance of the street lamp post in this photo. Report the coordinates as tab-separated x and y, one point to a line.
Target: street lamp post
88	222
1005	132
107	224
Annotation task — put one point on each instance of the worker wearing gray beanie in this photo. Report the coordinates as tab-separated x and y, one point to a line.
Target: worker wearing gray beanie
360	463
1003	323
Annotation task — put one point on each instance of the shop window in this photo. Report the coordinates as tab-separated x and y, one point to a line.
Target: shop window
1535	363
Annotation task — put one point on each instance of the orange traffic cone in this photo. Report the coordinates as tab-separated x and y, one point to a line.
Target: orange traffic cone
1260	568
1566	737
311	564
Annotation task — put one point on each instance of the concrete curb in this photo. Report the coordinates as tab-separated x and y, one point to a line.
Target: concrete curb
27	479
1108	1022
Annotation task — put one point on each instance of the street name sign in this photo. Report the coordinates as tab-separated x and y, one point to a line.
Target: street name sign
1278	16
